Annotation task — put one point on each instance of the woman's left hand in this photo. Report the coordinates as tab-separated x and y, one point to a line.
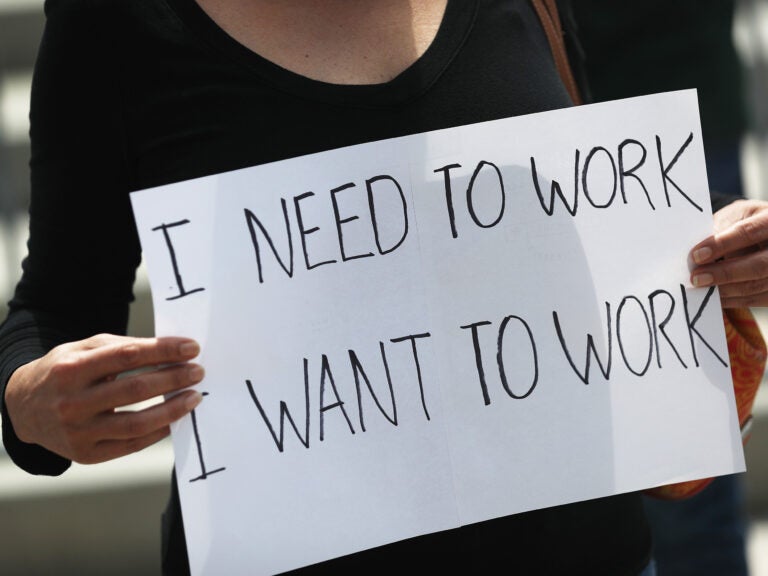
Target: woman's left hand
735	257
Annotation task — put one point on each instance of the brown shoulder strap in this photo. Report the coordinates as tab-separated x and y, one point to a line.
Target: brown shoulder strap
550	21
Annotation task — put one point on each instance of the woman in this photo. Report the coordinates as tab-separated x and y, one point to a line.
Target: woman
129	95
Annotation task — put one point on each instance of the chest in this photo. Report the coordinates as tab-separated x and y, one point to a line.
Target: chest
197	102
335	41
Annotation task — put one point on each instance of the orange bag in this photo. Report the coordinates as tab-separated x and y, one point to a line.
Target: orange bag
747	353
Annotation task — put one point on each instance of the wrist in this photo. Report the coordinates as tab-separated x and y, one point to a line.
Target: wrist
13	400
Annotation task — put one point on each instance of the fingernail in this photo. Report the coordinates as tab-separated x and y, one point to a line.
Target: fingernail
700	280
196	373
702	255
192	400
189	349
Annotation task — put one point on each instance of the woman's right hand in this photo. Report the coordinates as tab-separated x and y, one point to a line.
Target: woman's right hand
67	400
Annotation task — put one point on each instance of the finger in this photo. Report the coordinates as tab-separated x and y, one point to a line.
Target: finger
111	449
750	301
128	424
141	386
749	232
126	354
732	270
744	289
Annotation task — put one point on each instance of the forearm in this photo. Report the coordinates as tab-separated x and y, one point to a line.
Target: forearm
22	340
27	335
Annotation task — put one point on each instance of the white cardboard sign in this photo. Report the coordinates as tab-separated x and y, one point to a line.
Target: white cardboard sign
415	334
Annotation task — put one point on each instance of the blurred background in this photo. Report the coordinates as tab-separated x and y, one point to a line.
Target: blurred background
109	514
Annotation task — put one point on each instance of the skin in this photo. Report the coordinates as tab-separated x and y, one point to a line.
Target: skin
334	41
734	258
68	400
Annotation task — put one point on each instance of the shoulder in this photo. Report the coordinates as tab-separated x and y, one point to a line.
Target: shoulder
85	21
101	25
80	30
56	8
107	20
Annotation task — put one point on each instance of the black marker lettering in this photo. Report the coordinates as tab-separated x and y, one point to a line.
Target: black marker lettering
172	253
339	221
204	473
251	219
470	190
326	370
449	196
479	359
556	190
665	171
412	338
620	340
285	413
500	357
304	232
357	370
606	371
660	326
630	173
691	323
585	172
372	206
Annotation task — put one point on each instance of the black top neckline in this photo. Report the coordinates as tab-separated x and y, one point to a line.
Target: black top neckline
454	28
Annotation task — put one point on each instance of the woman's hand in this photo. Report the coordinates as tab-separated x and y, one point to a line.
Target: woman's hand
66	401
734	258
